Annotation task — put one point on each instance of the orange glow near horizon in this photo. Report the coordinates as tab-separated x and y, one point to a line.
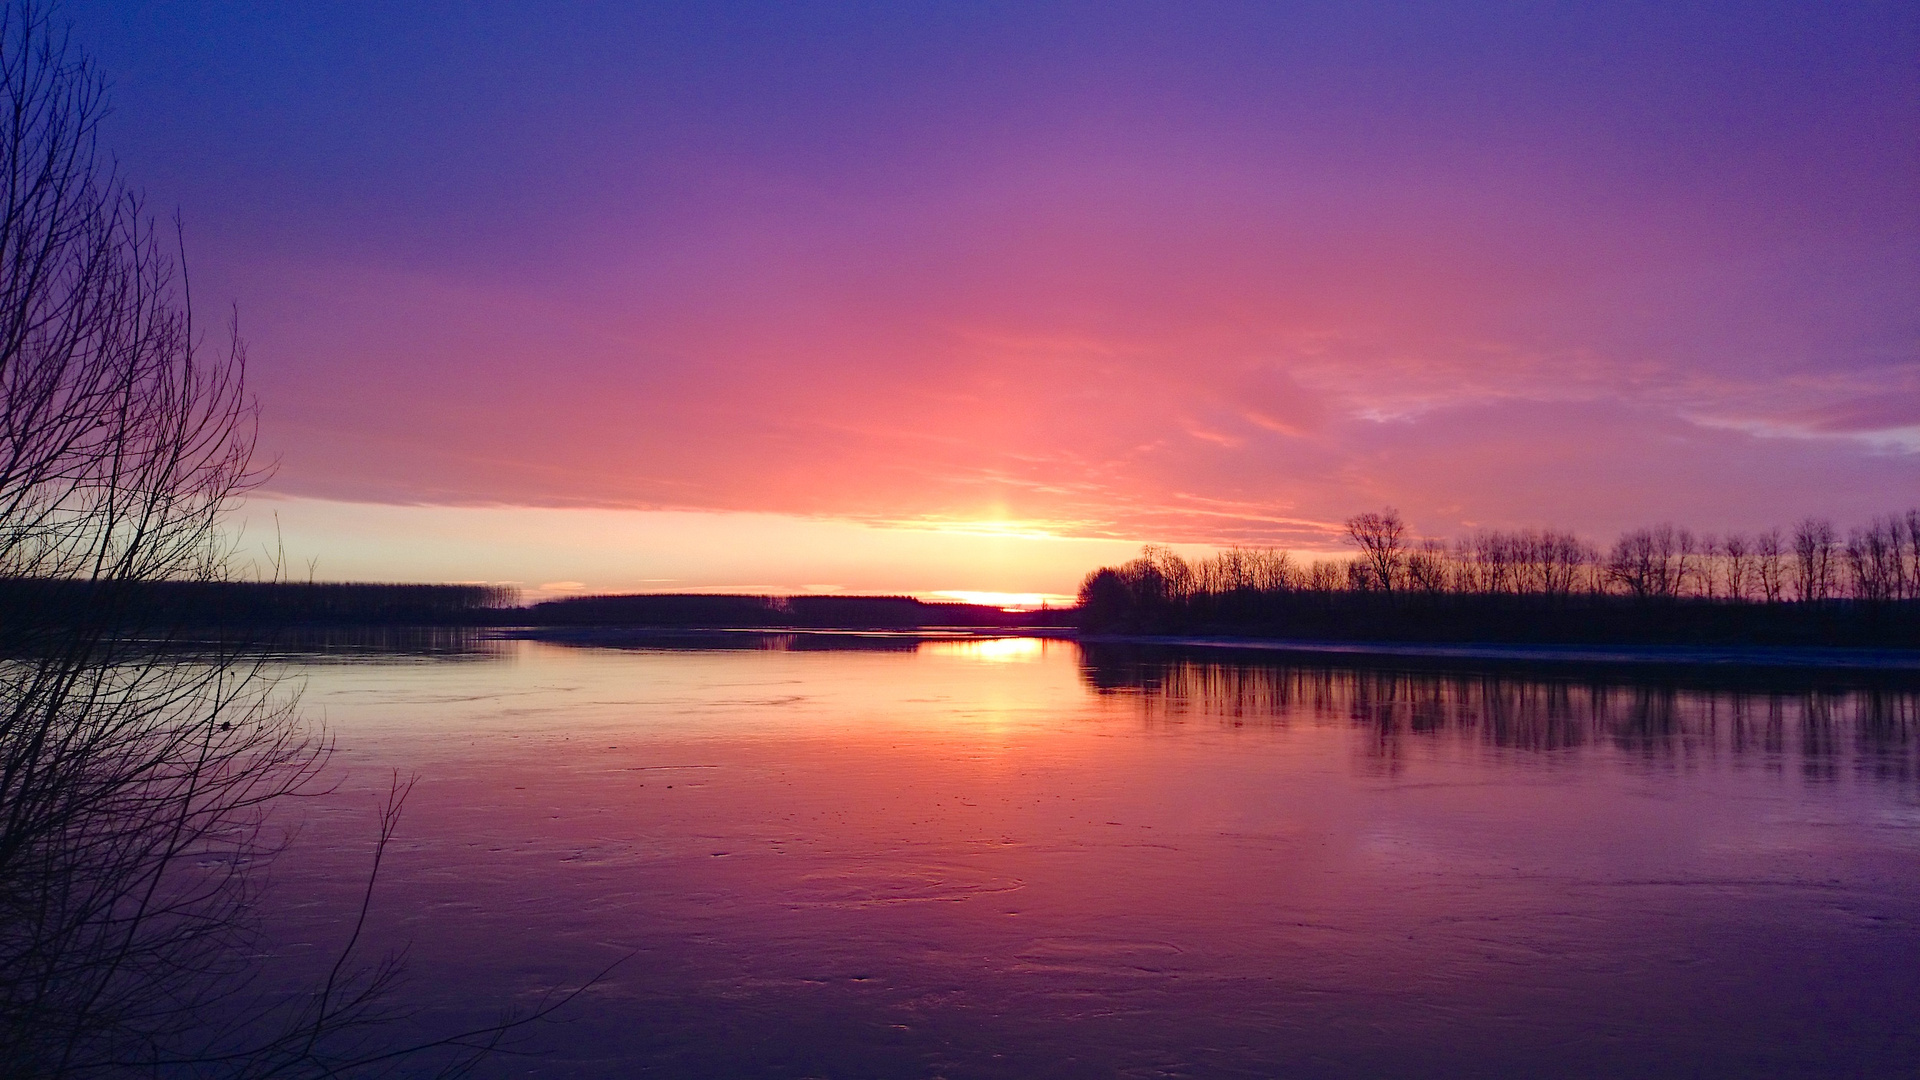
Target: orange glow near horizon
547	552
1006	601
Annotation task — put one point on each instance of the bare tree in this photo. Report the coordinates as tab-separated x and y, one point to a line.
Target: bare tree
135	773
1813	551
1467	576
1239	570
1427	567
1648	563
1876	559
1912	521
1704	568
124	771
1161	574
1739	555
1493	554
1769	565
1326	575
1382	541
121	442
1563	556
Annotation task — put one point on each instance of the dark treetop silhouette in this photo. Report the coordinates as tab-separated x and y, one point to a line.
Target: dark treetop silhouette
1655	585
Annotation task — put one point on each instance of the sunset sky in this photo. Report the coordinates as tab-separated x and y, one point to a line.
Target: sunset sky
926	297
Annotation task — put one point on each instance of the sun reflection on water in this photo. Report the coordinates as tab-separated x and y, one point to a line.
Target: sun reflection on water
997	650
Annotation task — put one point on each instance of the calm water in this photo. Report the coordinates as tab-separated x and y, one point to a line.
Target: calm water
1016	858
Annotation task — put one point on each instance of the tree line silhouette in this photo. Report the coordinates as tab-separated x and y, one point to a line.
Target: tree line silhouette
715	611
289	614
1807	585
243	610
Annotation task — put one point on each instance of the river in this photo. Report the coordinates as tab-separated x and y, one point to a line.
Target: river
1028	858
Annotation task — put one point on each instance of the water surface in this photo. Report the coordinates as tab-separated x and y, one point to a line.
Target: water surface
1019	858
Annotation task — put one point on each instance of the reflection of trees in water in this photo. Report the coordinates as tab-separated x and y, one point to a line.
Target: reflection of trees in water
1872	729
1887	728
354	644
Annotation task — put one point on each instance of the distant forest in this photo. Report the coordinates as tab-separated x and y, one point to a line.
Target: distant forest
1808	585
32	608
36	608
700	610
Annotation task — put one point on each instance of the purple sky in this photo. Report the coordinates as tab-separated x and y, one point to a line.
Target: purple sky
1197	273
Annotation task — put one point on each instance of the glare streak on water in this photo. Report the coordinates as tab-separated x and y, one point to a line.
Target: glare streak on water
1019	858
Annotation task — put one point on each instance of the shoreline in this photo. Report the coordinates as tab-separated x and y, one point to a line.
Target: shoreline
1808	658
640	635
1719	657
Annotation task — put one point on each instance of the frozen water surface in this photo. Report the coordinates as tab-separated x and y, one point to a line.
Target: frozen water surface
1022	858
